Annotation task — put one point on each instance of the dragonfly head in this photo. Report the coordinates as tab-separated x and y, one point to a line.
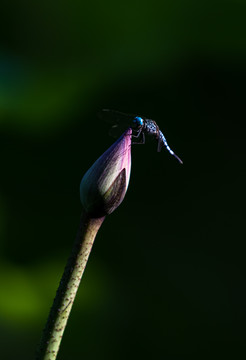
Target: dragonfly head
138	121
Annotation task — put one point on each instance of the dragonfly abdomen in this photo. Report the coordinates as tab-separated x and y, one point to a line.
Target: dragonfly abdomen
164	143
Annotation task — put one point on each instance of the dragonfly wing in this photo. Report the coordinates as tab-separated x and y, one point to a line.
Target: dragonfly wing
116	130
115	117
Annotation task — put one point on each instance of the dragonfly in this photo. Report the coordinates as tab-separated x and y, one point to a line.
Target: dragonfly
141	127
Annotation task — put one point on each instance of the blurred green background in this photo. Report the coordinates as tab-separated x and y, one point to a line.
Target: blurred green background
166	277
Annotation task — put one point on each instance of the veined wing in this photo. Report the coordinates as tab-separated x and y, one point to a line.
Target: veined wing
116	130
116	117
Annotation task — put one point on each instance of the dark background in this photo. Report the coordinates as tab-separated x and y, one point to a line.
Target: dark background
166	277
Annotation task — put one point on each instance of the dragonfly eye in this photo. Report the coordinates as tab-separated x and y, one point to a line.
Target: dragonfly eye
138	121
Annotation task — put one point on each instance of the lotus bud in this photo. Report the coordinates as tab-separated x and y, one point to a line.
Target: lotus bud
103	187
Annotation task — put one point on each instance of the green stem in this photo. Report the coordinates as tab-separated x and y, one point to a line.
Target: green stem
63	302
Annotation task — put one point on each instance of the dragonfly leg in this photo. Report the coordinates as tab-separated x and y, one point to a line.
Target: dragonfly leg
142	140
139	132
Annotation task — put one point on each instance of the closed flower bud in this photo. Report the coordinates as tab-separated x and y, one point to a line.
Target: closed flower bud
103	187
